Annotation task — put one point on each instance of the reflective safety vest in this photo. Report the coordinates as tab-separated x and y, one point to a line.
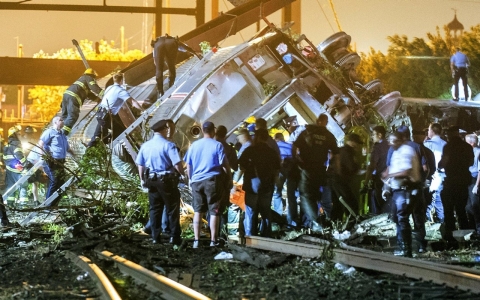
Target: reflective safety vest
13	156
85	87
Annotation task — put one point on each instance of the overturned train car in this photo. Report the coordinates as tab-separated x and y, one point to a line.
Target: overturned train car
275	76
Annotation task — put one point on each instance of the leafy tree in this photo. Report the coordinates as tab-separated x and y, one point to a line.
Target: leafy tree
420	68
47	99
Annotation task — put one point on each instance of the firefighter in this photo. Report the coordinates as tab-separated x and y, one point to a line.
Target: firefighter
14	160
165	50
73	98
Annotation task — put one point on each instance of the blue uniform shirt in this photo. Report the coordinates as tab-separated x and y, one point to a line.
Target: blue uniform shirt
55	143
114	98
459	60
285	149
158	154
205	158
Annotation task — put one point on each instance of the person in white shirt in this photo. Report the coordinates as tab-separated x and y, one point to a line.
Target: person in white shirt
403	176
107	116
436	144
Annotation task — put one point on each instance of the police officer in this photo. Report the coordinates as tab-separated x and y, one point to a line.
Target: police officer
459	63
313	145
15	160
55	145
159	167
113	100
404	177
73	98
165	50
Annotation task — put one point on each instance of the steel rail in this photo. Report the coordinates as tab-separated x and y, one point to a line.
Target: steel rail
457	277
154	282
101	280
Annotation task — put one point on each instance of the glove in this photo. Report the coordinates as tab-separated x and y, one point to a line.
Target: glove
19	167
475	189
143	187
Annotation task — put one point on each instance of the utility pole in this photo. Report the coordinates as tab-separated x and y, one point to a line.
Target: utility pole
20	88
167	19
122	39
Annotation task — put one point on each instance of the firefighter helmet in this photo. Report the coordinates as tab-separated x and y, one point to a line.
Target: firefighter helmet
30	129
90	71
14	129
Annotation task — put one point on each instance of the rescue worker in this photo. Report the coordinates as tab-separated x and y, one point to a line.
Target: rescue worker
286	166
261	165
377	165
55	146
205	160
159	167
345	168
459	64
418	209
165	51
435	143
15	160
231	154
73	98
312	149
473	206
107	115
456	159
404	178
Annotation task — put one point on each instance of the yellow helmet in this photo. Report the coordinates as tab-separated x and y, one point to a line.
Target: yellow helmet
90	71
14	129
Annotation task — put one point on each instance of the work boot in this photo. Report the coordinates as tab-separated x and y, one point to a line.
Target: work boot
175	241
407	244
422	247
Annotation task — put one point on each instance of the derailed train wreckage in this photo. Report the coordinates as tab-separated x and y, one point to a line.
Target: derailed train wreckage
273	76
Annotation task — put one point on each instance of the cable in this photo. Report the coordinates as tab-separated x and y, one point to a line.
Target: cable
326	18
240	32
335	15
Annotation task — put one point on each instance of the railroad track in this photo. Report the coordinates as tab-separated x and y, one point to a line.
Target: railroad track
462	278
168	288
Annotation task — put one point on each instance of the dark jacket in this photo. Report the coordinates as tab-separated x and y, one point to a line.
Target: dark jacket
457	158
13	156
261	162
85	87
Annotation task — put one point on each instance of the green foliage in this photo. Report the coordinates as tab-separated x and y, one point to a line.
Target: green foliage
107	187
58	231
205	47
269	88
420	68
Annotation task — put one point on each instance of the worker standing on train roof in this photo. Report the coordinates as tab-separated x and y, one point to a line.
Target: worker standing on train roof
165	50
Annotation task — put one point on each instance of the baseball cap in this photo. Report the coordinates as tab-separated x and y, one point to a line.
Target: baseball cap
159	126
209	126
